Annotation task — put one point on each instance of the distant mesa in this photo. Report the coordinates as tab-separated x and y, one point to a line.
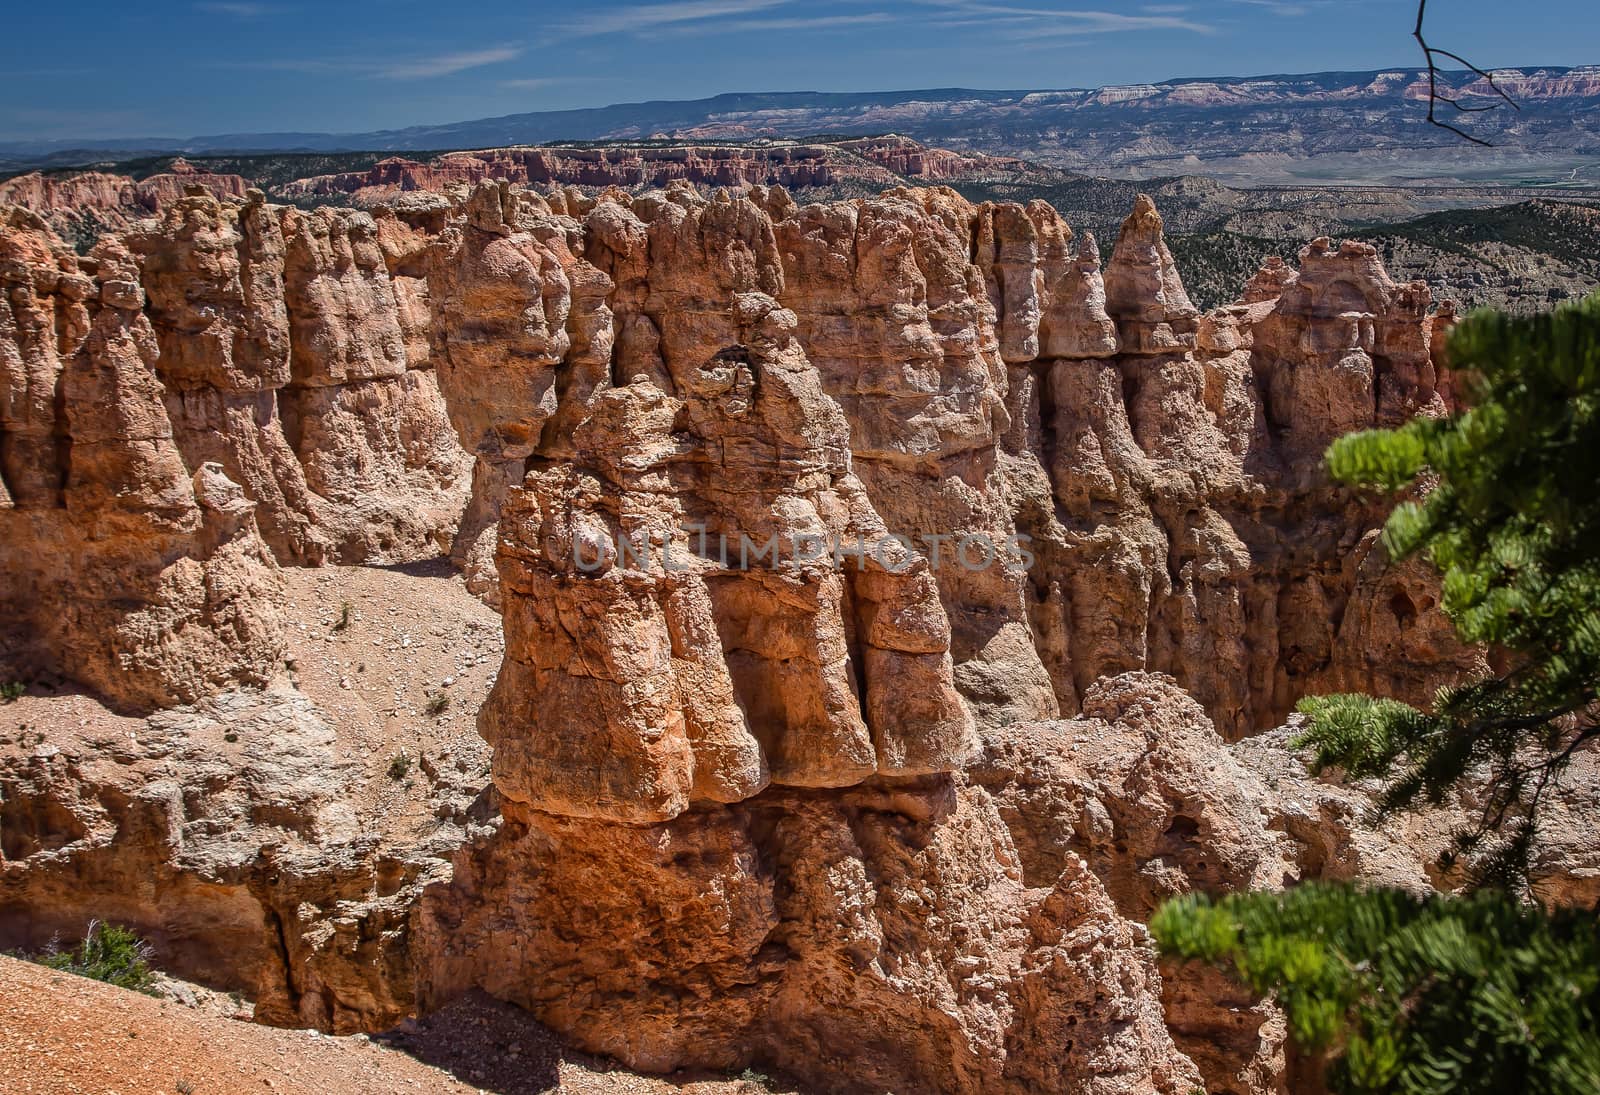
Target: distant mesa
1351	126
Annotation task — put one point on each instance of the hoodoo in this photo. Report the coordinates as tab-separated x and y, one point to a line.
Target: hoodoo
880	582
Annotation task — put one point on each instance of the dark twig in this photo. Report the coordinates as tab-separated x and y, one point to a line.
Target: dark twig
1431	54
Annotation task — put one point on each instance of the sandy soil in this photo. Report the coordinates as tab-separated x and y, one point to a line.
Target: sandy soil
402	679
399	677
66	1035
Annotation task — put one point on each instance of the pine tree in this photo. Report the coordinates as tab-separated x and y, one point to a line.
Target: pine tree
1459	995
1483	993
1513	526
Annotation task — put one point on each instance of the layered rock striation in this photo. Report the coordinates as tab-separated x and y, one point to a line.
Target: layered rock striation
808	526
867	162
1162	468
987	474
228	388
123	566
880	937
231	833
84	205
292	355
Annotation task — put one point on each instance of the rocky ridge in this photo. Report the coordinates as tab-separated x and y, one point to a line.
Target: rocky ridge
993	381
82	206
883	808
875	162
1515	247
1346	127
147	575
911	364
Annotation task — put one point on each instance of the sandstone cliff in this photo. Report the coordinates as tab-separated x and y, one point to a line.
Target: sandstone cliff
80	207
142	576
837	550
293	356
967	372
231	379
758	776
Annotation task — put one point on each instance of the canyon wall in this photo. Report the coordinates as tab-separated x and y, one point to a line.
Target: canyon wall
754	809
81	206
853	561
228	388
292	355
123	567
1147	478
230	835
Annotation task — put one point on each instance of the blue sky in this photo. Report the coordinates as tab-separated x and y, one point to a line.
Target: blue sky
105	68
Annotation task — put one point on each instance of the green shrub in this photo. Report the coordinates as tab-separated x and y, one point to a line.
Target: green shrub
1485	993
108	953
1476	994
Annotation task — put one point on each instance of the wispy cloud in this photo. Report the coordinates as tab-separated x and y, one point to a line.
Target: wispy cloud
1073	21
404	68
642	17
446	64
802	22
533	83
1280	7
239	10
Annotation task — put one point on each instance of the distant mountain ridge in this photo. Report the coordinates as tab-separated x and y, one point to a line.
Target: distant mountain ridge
1351	125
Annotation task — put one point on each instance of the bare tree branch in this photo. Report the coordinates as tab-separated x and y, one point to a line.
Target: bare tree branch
1431	54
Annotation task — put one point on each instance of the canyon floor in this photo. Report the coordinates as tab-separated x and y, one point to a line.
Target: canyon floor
66	1035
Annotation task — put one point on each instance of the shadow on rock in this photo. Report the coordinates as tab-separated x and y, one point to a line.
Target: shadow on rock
498	1047
493	1046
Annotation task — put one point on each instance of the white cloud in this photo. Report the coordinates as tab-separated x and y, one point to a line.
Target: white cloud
1278	7
405	68
446	64
640	17
532	83
239	10
1072	21
802	22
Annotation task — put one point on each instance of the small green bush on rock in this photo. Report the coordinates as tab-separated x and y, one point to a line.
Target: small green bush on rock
108	953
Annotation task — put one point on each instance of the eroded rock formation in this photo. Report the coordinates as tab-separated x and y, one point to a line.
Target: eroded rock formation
837	548
1189	526
776	757
122	566
292	356
996	384
230	379
82	206
877	938
229	833
869	161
